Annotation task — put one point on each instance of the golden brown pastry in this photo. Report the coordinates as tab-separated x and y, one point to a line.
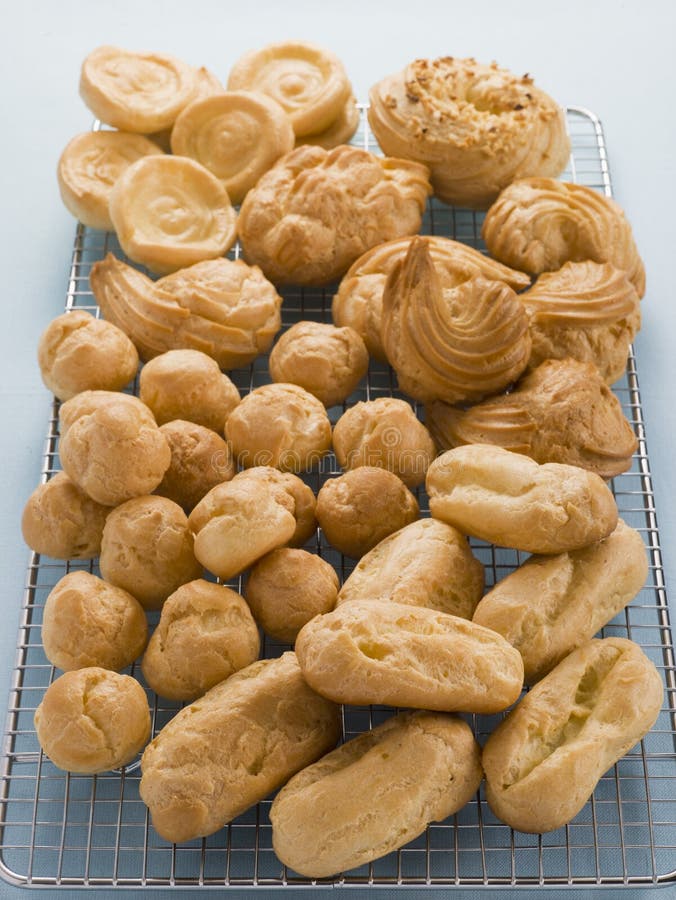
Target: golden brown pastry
377	651
87	622
375	793
359	301
316	211
307	81
170	212
339	131
111	446
200	459
509	499
90	165
78	352
205	634
538	224
236	135
328	362
360	508
426	563
92	720
187	384
563	412
544	760
452	344
280	425
222	307
386	433
552	604
299	499
226	751
588	311
478	127
60	520
207	86
134	91
287	588
147	549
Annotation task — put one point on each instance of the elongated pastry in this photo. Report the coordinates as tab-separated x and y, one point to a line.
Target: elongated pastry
552	604
359	300
538	224
222	307
451	344
544	760
478	127
562	412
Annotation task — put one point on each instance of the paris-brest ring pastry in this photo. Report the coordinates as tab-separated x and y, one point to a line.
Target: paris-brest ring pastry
477	127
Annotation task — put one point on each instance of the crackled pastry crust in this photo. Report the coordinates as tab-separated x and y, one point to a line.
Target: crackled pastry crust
562	412
316	211
170	212
308	82
359	300
222	307
89	167
237	135
451	344
200	459
300	496
338	132
538	224
477	127
588	311
133	91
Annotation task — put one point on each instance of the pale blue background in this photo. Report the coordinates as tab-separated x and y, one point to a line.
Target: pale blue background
616	58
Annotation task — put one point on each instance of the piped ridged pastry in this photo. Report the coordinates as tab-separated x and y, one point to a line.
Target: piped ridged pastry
338	132
538	224
359	300
588	311
451	344
316	211
478	127
563	412
223	307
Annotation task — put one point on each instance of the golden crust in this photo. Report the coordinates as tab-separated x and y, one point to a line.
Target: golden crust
337	132
200	459
297	497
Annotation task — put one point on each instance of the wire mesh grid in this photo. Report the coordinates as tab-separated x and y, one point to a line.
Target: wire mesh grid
66	830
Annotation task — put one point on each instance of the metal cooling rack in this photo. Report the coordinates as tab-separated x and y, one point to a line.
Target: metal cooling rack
64	830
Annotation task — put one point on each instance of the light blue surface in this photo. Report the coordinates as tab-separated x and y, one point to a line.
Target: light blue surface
616	58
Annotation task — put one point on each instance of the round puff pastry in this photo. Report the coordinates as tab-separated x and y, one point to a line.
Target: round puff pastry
205	634
187	384
222	307
92	720
60	520
451	343
207	86
316	211
287	588
89	167
561	412
538	224
375	793
552	604
87	622
132	91
360	508
376	651
426	563
280	425
359	301
328	362
386	433
147	549
300	495
236	135
477	127
588	311
510	500
111	446
338	132
78	352
200	459
170	212
308	82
